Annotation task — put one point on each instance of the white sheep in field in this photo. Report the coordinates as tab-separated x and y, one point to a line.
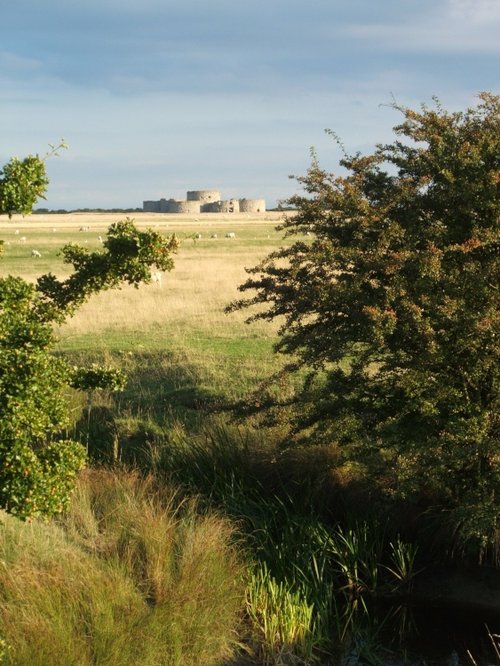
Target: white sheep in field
197	236
213	236
231	234
35	253
156	278
22	239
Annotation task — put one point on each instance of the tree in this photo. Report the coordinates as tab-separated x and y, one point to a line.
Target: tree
38	464
23	182
390	303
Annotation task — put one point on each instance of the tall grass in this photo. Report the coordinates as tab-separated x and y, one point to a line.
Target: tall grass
302	563
129	576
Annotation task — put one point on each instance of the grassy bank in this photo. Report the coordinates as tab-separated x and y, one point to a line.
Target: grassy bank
130	575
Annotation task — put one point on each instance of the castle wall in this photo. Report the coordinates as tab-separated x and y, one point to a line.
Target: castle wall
205	196
185	207
205	201
166	205
213	207
151	206
230	206
252	205
226	206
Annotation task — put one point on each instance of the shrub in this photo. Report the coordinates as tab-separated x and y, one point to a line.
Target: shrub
38	464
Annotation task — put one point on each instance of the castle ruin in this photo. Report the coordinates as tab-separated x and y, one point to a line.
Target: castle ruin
205	201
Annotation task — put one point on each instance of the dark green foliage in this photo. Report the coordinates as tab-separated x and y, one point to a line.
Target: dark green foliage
391	305
38	464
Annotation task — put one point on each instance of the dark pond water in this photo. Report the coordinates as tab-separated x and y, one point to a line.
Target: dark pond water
417	635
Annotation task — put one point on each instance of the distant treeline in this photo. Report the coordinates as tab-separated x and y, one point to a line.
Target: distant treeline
62	211
44	211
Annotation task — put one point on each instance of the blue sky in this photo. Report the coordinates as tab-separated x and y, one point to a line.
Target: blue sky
157	97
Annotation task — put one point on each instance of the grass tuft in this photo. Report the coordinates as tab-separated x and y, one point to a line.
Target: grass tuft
129	576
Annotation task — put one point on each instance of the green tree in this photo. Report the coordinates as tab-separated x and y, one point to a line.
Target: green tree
388	298
23	182
38	464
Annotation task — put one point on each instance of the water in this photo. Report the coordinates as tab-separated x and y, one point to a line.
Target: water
414	635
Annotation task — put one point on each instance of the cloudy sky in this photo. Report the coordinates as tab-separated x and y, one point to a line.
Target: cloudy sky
155	97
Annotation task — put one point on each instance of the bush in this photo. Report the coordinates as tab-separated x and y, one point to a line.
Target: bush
388	304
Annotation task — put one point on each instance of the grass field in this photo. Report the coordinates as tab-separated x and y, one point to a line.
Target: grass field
183	317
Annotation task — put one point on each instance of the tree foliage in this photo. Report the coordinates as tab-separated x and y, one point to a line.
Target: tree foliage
388	297
23	182
38	463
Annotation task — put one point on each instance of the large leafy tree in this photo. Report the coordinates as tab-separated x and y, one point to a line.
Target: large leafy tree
38	463
387	296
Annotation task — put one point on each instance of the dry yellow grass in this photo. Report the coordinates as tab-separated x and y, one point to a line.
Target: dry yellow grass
191	299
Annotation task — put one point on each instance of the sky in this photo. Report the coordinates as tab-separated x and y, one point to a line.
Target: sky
157	97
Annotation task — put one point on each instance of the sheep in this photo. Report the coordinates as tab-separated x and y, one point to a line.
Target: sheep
35	253
197	236
230	234
22	239
156	278
213	236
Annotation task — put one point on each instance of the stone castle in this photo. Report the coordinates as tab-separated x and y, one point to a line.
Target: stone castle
205	201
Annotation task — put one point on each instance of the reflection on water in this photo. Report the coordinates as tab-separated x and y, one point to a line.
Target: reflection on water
396	635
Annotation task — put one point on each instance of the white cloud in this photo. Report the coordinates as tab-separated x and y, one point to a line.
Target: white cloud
457	26
477	11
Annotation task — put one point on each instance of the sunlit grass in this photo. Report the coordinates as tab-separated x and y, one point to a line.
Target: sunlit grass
186	311
131	575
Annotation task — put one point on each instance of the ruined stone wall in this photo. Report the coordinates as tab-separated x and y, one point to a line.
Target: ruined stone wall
204	196
213	207
252	205
226	206
151	206
185	207
230	206
166	205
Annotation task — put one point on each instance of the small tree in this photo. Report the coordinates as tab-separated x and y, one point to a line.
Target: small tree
391	305
37	464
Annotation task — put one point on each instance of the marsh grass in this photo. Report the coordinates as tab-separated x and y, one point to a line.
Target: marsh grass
131	575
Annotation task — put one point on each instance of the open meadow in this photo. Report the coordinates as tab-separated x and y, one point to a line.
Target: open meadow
178	326
189	302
